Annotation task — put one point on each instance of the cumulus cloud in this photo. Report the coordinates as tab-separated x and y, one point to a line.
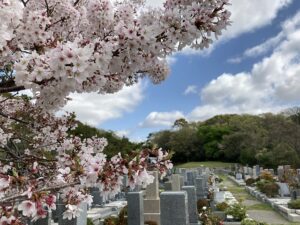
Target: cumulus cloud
122	133
267	46
191	89
94	109
271	85
247	16
161	119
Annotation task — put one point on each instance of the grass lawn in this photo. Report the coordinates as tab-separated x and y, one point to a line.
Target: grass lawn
210	164
260	206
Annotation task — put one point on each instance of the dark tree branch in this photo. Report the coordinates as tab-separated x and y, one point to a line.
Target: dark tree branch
12	118
11	89
24	2
76	2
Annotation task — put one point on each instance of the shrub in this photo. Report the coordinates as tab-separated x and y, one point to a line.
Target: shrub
202	203
237	211
266	175
207	218
150	223
250	181
89	221
268	188
123	217
120	220
111	221
294	204
248	221
214	220
222	206
219	179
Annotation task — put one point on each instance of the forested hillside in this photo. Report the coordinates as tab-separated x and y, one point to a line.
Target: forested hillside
115	145
267	139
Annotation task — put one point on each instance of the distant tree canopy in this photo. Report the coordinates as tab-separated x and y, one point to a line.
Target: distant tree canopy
267	139
115	145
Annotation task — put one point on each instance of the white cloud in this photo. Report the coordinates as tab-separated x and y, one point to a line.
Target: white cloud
94	109
263	48
191	89
246	16
159	119
122	133
171	60
271	85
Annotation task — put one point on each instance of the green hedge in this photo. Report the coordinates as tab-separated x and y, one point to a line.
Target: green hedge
294	204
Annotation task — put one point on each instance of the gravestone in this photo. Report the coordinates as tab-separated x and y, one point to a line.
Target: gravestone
80	220
200	188
135	211
174	208
257	169
219	197
97	198
176	182
207	170
295	194
271	171
125	183
137	188
58	212
245	170
298	173
236	167
254	175
286	167
192	204
250	171
168	186
190	178
290	175
238	176
284	190
151	201
280	173
200	170
261	169
182	172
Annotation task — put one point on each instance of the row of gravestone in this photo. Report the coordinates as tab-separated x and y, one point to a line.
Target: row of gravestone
56	216
177	205
151	204
284	172
285	175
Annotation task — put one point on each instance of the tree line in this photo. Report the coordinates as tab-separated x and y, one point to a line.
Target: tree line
267	139
115	144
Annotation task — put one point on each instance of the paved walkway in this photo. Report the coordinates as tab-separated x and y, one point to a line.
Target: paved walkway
256	210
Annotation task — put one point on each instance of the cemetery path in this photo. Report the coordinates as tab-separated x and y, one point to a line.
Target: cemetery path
256	210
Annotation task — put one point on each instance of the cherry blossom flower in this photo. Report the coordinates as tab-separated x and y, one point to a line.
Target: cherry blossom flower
58	47
28	208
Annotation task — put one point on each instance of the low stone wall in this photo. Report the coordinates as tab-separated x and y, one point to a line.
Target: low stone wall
278	204
238	182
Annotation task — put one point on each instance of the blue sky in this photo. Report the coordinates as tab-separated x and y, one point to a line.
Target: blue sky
253	68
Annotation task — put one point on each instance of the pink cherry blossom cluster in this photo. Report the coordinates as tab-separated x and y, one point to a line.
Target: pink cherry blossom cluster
38	157
58	47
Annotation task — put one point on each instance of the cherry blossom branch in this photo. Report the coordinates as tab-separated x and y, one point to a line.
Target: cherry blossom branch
13	118
44	189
